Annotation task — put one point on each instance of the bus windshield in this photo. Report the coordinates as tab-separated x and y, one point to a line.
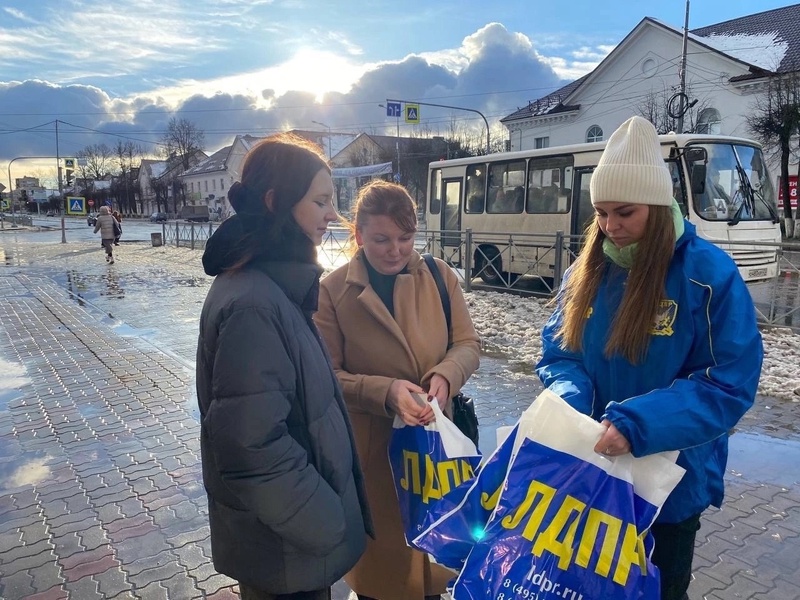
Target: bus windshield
737	187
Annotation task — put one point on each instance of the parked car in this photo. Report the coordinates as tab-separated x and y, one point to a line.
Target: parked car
91	219
158	217
50	213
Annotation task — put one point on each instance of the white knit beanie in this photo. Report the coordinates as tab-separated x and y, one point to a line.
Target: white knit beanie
631	169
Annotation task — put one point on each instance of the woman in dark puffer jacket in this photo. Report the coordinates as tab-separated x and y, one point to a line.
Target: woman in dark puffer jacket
287	506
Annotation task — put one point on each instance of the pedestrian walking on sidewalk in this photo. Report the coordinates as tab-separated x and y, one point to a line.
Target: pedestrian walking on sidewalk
107	226
382	318
287	504
655	336
118	232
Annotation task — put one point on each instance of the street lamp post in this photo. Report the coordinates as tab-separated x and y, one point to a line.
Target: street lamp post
330	155
488	140
63	227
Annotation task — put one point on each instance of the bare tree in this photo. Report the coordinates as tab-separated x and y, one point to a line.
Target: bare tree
182	140
97	161
125	153
160	189
655	108
774	118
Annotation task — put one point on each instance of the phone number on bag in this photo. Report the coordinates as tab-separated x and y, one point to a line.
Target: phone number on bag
549	589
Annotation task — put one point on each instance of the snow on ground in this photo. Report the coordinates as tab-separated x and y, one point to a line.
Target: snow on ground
512	325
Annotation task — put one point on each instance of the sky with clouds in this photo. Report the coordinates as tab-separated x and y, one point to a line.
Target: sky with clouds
106	71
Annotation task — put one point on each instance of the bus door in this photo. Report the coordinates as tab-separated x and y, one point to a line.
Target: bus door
582	209
451	221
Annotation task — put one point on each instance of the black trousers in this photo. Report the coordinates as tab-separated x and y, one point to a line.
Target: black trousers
250	593
673	554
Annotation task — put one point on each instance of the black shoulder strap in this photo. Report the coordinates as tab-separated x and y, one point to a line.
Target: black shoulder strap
445	297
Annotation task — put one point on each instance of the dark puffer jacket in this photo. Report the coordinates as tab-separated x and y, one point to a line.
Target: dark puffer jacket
285	491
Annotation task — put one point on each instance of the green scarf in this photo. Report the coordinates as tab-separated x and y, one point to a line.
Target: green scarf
625	256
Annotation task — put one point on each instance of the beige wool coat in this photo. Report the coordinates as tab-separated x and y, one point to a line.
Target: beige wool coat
369	350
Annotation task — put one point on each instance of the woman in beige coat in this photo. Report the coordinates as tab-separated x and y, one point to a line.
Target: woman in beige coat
381	316
105	225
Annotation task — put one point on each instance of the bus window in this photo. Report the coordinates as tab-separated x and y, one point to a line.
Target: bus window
436	192
476	189
736	188
758	180
583	213
506	187
548	179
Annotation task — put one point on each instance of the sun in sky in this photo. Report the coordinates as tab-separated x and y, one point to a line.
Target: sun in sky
314	71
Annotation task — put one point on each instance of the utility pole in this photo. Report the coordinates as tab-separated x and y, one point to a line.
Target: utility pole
682	73
396	144
16	158
60	191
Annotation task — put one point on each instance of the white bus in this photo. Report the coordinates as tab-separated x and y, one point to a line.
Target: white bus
721	184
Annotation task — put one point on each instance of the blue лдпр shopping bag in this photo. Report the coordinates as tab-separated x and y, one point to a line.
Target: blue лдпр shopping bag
428	464
458	522
569	523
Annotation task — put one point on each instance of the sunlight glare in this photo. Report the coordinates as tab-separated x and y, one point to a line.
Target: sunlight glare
313	71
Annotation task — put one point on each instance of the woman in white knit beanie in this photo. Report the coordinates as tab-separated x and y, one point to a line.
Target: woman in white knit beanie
655	336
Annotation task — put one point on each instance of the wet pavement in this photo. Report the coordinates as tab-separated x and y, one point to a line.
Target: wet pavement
100	487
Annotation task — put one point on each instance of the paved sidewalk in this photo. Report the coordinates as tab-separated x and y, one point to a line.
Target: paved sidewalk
100	486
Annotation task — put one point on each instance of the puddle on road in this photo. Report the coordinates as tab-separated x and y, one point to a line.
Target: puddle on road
17	470
764	459
24	470
12	377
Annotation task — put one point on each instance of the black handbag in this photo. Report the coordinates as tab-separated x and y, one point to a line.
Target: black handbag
463	407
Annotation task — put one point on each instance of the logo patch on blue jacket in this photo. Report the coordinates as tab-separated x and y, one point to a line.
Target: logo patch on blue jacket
667	312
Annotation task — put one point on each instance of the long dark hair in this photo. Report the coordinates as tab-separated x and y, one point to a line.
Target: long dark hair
284	163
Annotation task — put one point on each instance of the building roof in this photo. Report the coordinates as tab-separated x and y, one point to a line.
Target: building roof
765	41
338	141
214	163
550	104
768	40
153	168
248	141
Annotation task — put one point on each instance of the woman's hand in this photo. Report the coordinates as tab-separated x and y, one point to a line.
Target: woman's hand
402	401
612	442
439	388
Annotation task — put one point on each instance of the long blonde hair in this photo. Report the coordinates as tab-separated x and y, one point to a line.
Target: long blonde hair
630	331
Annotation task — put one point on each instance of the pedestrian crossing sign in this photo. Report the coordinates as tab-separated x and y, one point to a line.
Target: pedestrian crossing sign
76	205
4	204
412	113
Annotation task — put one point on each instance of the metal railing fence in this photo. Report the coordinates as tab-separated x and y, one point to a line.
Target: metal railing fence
12	220
187	235
538	262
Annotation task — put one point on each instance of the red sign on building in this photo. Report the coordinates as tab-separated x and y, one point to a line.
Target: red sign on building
792	192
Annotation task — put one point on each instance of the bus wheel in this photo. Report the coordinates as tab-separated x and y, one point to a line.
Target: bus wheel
490	265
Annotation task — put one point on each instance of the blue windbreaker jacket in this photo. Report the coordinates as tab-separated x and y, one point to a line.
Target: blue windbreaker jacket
698	378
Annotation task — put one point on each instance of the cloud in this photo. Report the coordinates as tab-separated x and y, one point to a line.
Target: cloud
18	14
494	70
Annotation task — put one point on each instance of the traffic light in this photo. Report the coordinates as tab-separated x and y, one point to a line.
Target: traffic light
69	176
